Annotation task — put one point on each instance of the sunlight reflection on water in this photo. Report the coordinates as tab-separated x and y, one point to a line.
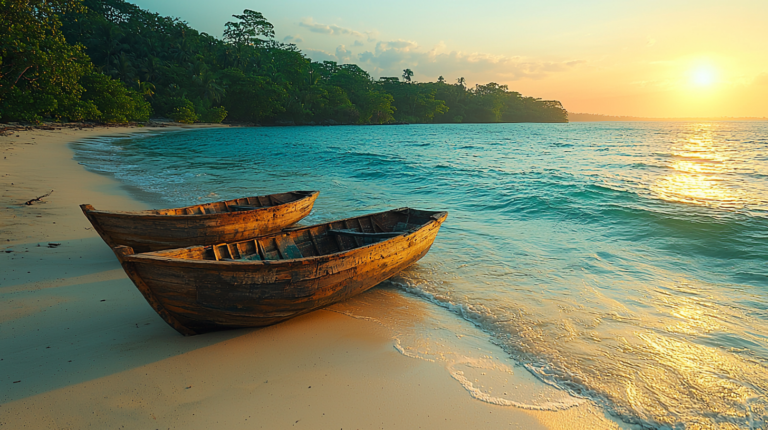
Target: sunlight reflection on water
704	171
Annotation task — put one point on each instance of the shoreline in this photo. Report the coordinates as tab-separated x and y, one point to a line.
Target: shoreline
79	346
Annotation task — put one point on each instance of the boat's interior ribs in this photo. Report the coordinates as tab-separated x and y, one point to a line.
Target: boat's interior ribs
236	205
337	236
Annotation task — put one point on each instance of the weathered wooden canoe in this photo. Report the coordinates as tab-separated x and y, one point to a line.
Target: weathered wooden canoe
204	224
273	278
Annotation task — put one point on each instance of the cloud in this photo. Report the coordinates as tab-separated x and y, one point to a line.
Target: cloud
390	58
335	30
343	55
761	80
293	39
358	43
318	55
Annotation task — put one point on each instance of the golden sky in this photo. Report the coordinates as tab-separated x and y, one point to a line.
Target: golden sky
671	58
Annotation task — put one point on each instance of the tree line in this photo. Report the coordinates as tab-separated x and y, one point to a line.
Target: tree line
111	61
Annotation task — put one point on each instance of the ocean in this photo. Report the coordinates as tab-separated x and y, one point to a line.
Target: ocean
616	263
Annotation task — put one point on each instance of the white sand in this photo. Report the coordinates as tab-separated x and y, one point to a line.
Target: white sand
80	348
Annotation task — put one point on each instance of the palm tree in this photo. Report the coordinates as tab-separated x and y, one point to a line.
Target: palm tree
407	75
146	89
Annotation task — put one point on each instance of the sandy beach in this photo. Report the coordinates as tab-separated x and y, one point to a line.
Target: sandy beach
80	348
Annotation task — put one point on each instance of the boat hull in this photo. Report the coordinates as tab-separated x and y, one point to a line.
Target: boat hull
146	232
196	296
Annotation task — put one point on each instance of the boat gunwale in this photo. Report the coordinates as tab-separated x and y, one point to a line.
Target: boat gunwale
147	214
438	217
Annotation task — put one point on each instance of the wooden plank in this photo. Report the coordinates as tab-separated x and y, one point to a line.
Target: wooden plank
354	233
287	247
337	239
146	291
314	243
233	251
262	252
357	240
216	252
376	224
242	249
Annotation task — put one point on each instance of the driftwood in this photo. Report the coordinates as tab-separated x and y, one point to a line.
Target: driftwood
37	199
269	279
205	224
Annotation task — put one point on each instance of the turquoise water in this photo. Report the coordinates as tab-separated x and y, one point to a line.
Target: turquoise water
621	262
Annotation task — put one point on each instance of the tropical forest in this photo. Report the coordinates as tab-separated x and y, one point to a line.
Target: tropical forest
112	62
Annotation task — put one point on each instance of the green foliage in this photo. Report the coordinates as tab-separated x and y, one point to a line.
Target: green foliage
252	98
184	111
407	75
39	70
114	102
378	108
414	102
251	25
213	115
192	76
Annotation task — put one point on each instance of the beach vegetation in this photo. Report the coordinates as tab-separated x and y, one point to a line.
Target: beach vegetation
111	61
184	111
39	71
114	102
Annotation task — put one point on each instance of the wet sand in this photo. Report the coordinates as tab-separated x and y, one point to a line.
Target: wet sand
80	348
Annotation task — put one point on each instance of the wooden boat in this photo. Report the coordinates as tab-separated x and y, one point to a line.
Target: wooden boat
272	278
204	224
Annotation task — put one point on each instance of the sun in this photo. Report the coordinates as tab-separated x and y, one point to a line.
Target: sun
704	76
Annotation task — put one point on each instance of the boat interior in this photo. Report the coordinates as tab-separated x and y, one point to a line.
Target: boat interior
313	241
236	205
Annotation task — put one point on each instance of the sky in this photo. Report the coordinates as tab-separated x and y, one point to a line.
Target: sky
651	58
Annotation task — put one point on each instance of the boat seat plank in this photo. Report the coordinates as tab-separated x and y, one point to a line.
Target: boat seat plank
287	247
